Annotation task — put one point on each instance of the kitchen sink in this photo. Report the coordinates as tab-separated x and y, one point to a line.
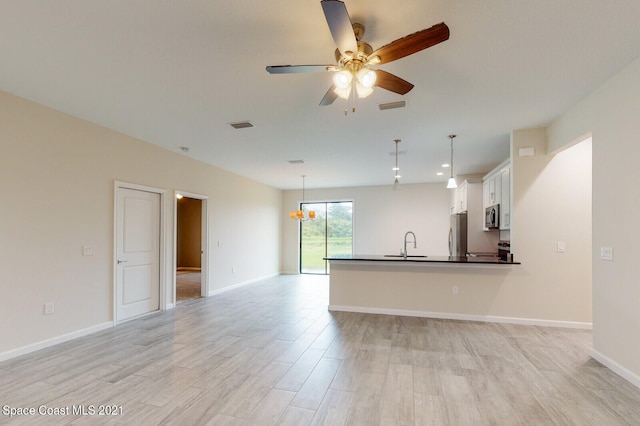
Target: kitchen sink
400	255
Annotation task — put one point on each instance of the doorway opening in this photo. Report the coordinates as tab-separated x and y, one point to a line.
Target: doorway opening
329	234
191	234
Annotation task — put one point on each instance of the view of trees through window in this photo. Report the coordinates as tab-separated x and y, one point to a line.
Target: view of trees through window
329	234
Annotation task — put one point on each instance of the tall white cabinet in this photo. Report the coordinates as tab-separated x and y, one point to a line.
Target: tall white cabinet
496	189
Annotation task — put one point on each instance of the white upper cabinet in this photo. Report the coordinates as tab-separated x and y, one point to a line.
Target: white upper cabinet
465	197
462	204
496	189
505	198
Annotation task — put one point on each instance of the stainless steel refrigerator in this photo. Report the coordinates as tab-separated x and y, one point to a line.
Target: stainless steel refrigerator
458	235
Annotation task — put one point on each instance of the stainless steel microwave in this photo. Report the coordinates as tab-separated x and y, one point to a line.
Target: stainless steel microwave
492	217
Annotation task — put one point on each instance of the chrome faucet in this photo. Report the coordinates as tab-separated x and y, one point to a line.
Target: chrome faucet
415	243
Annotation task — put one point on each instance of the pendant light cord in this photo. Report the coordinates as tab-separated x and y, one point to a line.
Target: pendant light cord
451	167
397	156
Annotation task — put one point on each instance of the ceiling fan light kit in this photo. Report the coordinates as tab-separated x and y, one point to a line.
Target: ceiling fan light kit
355	57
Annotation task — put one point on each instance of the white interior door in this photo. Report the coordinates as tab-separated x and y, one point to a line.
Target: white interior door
137	253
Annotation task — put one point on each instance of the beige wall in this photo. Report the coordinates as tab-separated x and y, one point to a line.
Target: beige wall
611	114
551	203
381	217
57	178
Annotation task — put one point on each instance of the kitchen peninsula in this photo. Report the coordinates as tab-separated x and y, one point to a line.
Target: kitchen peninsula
423	286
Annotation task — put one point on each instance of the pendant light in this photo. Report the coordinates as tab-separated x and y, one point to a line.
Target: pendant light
396	169
299	214
452	181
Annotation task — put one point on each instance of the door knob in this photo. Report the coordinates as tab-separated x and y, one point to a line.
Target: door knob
121	261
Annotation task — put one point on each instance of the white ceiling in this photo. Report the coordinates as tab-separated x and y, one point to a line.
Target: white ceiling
176	73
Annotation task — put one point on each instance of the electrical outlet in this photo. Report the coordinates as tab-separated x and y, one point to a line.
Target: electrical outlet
454	289
606	253
48	308
88	250
233	269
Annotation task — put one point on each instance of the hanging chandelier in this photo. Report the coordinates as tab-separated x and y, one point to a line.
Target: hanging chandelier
299	214
451	183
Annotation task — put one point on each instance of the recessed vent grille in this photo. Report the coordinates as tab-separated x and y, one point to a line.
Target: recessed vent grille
392	105
241	125
296	161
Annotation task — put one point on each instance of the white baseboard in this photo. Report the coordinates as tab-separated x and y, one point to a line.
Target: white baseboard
54	341
241	284
632	378
463	317
289	273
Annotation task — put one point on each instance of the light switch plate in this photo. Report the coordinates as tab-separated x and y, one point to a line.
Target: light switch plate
606	253
562	247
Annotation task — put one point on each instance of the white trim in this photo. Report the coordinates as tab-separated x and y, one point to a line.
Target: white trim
463	317
163	242
289	273
629	376
54	341
241	284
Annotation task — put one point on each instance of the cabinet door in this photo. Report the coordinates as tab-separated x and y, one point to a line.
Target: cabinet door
505	195
486	201
494	190
462	200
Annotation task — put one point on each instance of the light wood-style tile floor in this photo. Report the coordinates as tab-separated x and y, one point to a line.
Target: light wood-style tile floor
187	285
271	354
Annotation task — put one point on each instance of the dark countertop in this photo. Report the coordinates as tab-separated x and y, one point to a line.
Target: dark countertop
422	259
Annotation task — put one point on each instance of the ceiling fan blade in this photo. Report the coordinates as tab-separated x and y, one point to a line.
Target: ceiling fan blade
411	44
329	97
292	69
392	82
340	26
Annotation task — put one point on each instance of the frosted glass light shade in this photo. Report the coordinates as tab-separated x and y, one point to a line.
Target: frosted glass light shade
367	77
363	91
452	183
342	79
342	92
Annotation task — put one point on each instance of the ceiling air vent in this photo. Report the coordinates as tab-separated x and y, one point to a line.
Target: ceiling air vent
392	105
296	161
241	125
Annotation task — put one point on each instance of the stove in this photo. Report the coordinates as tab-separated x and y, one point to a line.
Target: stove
504	250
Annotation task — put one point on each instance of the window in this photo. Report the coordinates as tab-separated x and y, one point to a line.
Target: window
329	234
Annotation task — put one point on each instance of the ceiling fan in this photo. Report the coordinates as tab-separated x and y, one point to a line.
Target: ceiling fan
353	72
